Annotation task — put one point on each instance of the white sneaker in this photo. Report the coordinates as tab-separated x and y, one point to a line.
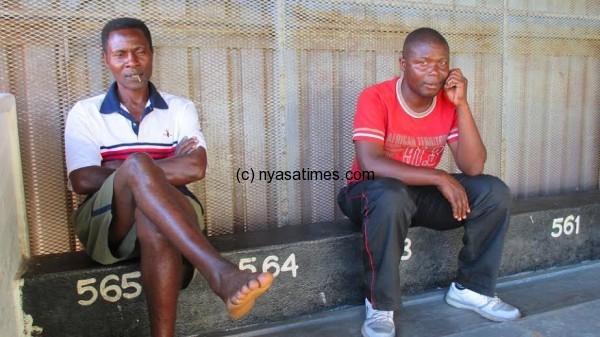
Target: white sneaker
491	308
378	323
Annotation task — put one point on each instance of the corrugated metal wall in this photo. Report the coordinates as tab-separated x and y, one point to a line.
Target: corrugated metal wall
275	84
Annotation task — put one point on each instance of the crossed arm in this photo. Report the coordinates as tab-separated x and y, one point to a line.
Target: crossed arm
186	166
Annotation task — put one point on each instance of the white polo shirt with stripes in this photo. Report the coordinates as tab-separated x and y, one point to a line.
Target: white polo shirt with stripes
100	129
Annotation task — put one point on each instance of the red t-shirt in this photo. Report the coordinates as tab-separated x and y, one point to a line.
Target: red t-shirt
416	139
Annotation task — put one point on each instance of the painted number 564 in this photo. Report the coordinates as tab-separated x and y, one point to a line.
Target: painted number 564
271	263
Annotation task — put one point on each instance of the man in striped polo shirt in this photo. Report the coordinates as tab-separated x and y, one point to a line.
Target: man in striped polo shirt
401	128
132	151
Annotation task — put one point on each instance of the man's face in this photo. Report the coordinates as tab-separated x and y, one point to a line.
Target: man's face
129	58
425	68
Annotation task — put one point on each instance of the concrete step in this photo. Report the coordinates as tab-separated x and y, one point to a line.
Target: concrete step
557	302
105	300
319	270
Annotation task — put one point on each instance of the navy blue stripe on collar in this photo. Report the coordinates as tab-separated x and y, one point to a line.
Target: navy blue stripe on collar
156	99
111	102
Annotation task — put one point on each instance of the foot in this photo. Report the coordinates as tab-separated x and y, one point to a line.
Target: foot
242	300
491	308
378	323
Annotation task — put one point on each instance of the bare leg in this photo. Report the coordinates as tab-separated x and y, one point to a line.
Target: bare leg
161	268
141	186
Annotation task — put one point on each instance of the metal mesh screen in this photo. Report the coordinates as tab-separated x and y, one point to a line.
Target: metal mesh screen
275	84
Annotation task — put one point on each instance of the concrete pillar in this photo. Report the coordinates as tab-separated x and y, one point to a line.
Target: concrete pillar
13	226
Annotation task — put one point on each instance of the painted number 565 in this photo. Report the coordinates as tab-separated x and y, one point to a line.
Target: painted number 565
110	292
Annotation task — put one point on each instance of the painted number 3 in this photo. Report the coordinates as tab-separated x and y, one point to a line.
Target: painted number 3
271	265
407	252
109	288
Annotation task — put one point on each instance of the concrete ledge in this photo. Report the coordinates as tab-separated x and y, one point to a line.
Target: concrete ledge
327	277
529	244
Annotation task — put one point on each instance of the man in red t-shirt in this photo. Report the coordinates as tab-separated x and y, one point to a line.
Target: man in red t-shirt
401	128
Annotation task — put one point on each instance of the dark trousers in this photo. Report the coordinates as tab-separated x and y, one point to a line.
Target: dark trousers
385	208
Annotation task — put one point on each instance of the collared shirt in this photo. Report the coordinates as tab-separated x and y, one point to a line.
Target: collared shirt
100	128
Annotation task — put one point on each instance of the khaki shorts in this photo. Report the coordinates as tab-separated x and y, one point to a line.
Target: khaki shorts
92	220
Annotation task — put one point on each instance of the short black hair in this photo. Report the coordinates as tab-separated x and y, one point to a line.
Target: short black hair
124	23
423	35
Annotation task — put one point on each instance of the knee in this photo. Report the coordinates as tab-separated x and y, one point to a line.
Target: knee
140	167
390	195
137	161
499	191
491	190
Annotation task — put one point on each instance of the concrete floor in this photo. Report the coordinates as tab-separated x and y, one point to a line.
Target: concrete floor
561	302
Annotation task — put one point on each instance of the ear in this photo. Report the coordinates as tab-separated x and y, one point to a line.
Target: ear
104	58
402	62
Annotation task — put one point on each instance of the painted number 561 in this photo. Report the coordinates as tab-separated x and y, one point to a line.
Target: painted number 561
565	226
